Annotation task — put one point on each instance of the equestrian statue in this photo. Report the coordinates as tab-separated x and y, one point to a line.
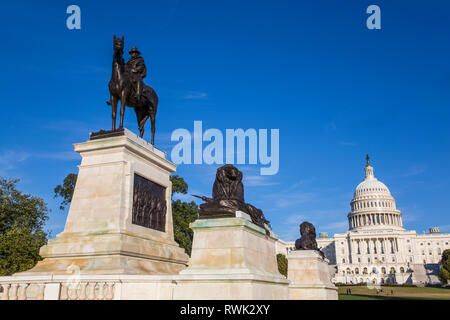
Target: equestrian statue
127	85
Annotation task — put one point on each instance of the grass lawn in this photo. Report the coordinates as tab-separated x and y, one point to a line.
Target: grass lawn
399	293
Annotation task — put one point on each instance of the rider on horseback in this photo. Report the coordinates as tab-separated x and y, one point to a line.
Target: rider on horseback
137	70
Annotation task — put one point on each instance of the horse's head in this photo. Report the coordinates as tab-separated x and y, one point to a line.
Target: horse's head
118	43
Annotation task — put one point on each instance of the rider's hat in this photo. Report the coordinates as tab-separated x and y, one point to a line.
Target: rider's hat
134	49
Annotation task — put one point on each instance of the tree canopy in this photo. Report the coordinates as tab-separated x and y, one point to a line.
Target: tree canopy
22	219
444	274
65	191
183	214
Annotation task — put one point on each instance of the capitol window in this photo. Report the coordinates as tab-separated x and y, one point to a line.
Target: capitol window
356	271
383	270
402	270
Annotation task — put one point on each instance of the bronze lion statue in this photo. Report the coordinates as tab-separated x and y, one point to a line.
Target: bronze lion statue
228	197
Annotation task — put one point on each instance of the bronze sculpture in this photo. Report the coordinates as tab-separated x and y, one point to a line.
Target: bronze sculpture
307	240
149	204
228	197
126	85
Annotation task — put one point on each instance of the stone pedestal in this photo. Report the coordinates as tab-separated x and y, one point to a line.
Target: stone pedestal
100	236
309	277
231	259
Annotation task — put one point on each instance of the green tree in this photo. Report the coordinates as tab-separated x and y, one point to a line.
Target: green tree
183	212
22	219
282	262
65	191
444	274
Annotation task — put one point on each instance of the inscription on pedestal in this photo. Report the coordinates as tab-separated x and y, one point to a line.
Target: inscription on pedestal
149	204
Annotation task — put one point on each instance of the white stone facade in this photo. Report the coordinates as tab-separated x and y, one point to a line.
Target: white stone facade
377	249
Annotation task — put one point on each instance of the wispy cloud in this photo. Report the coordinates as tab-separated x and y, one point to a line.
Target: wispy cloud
295	219
258	181
348	144
338	226
415	170
10	158
294	198
194	95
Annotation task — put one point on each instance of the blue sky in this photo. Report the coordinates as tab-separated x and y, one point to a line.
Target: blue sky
311	69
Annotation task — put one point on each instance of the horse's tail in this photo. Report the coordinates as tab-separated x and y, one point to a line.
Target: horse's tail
108	103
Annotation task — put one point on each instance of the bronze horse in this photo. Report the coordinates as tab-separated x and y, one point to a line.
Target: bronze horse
120	88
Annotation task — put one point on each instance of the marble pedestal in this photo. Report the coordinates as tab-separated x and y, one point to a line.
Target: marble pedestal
309	277
231	259
99	236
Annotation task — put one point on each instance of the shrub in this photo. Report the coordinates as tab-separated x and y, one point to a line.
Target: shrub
282	262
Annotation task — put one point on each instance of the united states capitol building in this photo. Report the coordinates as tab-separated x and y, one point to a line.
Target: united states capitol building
377	249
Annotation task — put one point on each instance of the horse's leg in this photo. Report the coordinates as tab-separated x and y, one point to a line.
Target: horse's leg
142	125
140	120
123	103
152	118
114	111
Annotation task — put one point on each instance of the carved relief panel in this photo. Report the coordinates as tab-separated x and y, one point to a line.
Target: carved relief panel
149	204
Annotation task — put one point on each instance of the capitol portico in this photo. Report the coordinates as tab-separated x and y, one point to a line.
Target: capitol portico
377	249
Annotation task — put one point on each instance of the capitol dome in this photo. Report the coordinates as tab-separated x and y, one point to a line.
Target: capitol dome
372	205
370	186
